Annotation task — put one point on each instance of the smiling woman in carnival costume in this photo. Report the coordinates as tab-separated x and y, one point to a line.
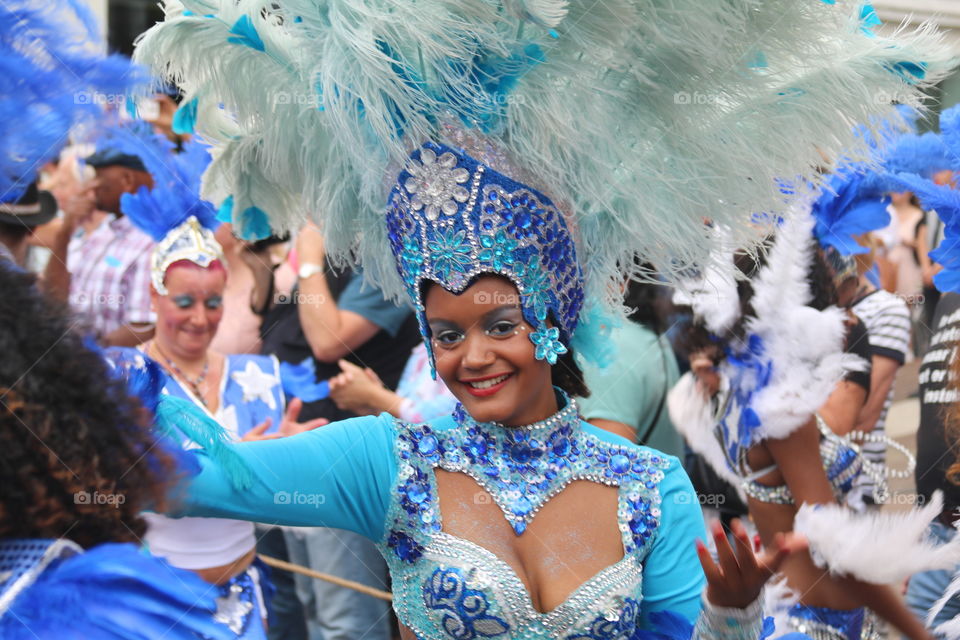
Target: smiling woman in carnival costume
521	149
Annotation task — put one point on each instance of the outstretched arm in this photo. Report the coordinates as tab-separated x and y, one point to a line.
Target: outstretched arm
337	476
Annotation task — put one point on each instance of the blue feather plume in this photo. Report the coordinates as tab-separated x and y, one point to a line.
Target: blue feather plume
175	195
177	421
923	155
52	77
950	133
851	204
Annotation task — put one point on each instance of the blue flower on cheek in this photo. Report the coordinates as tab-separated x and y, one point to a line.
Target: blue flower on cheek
548	344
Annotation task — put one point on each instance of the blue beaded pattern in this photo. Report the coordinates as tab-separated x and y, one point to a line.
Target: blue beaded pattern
451	218
464	610
821	622
445	587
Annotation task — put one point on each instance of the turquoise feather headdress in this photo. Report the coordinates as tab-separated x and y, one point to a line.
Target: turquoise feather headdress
637	118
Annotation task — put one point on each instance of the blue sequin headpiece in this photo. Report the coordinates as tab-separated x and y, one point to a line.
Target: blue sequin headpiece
451	218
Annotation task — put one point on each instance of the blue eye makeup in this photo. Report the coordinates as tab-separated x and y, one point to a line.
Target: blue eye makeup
500	328
183	302
186	301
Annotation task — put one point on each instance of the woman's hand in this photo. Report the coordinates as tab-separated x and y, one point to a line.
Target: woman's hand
310	245
259	432
355	389
290	426
739	578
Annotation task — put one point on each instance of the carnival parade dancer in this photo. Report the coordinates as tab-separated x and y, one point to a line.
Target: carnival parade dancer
521	149
246	394
763	426
78	461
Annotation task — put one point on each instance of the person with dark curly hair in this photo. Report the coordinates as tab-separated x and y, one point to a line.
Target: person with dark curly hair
78	463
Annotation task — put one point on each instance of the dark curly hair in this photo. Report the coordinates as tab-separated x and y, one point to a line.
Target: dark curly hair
77	459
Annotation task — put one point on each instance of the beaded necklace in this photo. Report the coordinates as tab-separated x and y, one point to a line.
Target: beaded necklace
178	372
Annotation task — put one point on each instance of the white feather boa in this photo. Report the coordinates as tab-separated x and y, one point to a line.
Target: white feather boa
803	345
881	548
693	416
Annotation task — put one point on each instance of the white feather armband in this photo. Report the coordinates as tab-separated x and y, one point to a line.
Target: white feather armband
881	548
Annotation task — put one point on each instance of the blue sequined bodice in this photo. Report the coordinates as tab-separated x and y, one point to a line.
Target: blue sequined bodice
447	587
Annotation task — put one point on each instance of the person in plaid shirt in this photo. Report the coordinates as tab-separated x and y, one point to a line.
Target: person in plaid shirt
105	273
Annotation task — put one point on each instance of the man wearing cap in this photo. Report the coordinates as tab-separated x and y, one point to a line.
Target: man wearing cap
105	274
18	220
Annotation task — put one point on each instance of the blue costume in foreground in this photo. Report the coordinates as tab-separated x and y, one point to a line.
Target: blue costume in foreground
55	589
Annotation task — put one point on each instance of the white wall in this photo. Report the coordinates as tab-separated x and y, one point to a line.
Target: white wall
100	9
945	13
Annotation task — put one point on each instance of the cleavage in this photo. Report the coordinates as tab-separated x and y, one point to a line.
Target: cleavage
573	537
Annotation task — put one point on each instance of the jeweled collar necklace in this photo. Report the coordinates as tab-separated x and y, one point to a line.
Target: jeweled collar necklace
523	467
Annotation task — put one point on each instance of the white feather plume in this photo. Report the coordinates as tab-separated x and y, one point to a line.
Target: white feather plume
804	345
712	295
692	415
881	548
951	628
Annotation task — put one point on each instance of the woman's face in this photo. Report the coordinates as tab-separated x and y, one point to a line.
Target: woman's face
188	316
901	198
484	354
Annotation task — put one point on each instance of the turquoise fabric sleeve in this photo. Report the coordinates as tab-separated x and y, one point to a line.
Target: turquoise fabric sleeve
673	579
339	475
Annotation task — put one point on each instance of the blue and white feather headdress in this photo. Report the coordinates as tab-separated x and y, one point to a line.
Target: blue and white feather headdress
53	76
171	212
630	121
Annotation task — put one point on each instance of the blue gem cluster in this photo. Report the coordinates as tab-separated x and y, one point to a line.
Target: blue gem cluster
521	468
451	218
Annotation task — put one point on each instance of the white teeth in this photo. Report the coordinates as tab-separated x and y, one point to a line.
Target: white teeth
486	384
